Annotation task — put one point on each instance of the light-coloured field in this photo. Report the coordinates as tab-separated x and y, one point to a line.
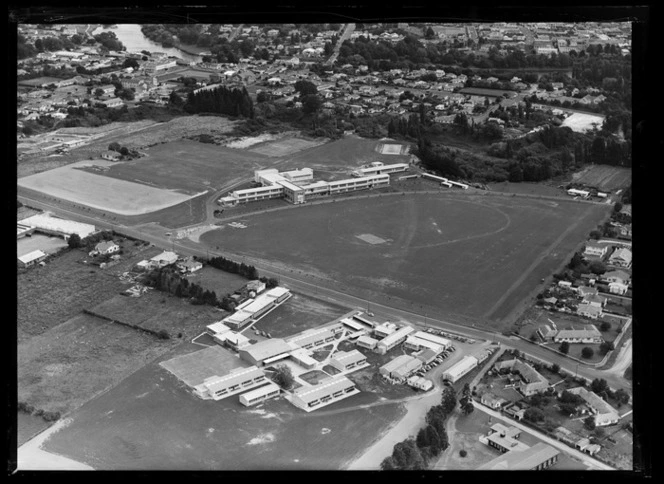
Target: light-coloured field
604	177
286	146
196	367
581	122
100	192
392	149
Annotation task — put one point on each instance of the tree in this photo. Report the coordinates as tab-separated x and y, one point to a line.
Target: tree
617	207
305	88
115	146
599	385
587	352
388	464
124	151
597	267
283	377
605	326
99	92
407	456
163	334
589	422
466	405
74	241
621	396
564	347
311	103
533	414
555	368
174	99
605	347
448	401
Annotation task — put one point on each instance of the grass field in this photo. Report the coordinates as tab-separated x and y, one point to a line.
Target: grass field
526	188
156	310
64	367
50	295
285	147
438	246
581	122
27	426
604	177
216	280
126	197
297	314
189	166
151	421
343	154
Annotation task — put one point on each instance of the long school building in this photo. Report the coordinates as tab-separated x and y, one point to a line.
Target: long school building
394	339
328	391
260	394
297	185
220	387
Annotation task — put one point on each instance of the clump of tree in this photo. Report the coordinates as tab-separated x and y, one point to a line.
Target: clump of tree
283	377
587	352
227	265
91	240
222	100
564	347
110	41
169	280
26	408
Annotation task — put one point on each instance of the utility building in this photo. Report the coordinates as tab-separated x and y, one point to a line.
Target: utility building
219	387
461	368
395	339
326	392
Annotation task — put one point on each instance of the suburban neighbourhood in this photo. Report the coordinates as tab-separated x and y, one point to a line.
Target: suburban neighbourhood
326	246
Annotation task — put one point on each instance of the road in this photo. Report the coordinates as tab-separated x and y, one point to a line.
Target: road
30	456
348	30
303	283
235	33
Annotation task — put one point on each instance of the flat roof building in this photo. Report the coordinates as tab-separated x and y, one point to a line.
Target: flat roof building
414	343
458	370
257	353
43	222
302	358
367	342
239	380
328	391
503	438
604	413
235	341
385	329
396	338
445	343
216	328
312	338
531	381
31	258
406	369
393	364
260	394
165	258
238	320
538	457
348	360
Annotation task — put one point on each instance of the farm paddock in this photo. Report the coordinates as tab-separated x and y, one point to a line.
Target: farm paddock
437	246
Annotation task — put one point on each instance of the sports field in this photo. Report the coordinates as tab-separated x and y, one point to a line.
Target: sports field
189	166
472	255
346	153
152	421
285	146
124	197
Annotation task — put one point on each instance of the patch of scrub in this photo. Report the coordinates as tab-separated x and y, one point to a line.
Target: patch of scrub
262	439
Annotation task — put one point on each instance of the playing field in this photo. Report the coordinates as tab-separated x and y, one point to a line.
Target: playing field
346	153
581	122
285	147
152	421
101	192
189	166
604	177
472	255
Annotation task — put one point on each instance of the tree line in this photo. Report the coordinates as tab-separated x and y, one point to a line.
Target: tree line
227	265
431	440
222	100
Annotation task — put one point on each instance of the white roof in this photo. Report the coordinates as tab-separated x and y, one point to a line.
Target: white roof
348	357
258	303
414	340
167	256
46	222
268	348
368	340
237	376
395	363
30	256
326	387
218	327
277	292
261	391
398	334
433	338
462	366
303	356
232	337
311	336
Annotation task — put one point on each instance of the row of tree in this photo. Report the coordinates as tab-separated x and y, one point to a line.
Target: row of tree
227	265
431	440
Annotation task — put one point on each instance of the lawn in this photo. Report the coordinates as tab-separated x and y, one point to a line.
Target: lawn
27	426
438	246
298	314
156	310
314	377
45	243
151	421
221	282
69	364
50	295
189	166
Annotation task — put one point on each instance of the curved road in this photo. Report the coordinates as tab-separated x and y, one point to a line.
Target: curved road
299	283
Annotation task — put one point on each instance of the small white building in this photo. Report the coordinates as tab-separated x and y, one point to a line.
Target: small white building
106	247
367	342
459	369
260	394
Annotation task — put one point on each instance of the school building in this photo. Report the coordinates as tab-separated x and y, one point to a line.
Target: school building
237	381
328	391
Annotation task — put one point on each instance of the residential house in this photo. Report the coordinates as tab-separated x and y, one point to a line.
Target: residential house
492	401
621	257
589	311
111	155
589	334
189	265
105	248
546	332
604	413
114	102
618	288
616	276
108	89
531	381
595	300
594	249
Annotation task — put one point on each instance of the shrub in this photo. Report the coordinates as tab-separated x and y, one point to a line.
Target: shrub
163	334
463	453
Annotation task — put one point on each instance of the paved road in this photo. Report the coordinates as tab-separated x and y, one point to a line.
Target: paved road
348	29
235	33
317	287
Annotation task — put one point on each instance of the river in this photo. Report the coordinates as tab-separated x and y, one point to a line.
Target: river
133	39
